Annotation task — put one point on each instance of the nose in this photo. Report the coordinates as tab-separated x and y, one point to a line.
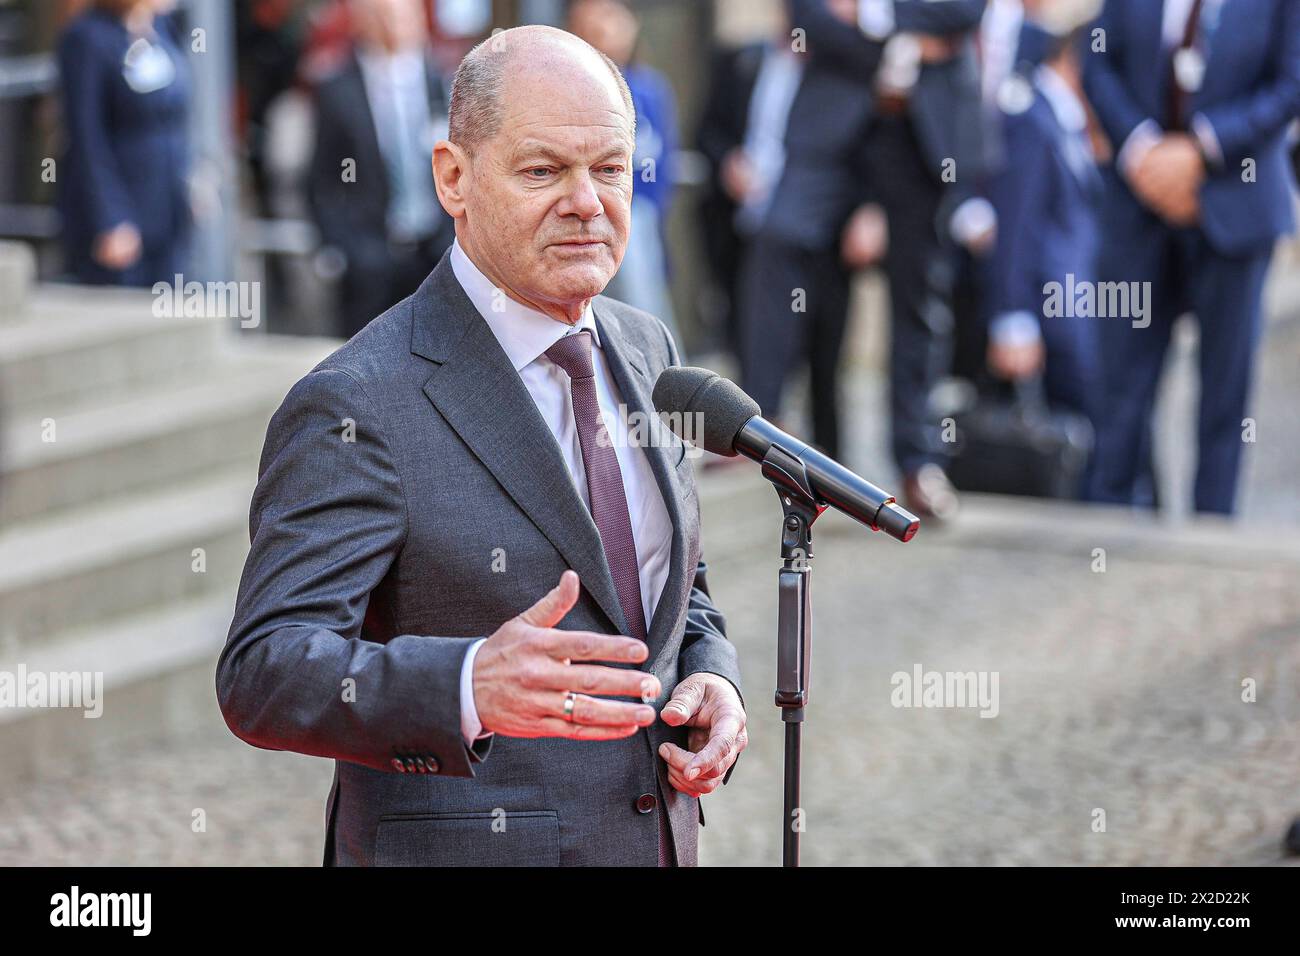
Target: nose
581	198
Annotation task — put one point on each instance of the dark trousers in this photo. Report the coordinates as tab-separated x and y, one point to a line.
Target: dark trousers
1225	294
794	304
921	272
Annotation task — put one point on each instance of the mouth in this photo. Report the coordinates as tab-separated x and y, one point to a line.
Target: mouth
579	244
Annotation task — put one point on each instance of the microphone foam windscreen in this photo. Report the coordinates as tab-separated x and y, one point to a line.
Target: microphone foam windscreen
703	408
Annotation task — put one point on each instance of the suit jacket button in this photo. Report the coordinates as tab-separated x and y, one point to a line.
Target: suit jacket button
410	765
398	765
431	763
646	803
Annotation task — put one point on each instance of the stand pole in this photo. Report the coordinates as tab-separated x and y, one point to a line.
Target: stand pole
800	509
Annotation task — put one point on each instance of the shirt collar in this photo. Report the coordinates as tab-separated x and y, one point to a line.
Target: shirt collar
1065	103
524	333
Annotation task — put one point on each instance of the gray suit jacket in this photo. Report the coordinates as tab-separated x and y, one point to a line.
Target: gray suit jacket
411	499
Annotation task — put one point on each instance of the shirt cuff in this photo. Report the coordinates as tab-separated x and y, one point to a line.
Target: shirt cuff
471	728
1015	328
1204	132
1140	142
876	18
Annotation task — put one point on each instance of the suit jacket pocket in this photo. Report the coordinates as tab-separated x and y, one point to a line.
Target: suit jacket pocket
514	838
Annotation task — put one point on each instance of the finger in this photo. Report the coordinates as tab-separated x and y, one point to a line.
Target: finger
590	646
722	737
685	702
722	766
676	757
554	604
693	788
606	681
559	727
607	713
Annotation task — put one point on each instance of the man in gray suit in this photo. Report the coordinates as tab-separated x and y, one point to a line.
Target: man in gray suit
422	489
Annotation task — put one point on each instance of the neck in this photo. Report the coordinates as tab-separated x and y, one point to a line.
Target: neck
566	313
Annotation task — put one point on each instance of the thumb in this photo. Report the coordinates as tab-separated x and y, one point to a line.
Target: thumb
685	701
556	603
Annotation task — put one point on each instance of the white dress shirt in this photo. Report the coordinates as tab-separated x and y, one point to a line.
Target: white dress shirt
406	127
525	334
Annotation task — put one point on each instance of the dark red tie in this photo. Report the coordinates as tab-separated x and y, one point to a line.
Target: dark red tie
604	479
608	505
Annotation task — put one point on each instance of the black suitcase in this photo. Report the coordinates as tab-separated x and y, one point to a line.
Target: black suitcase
1017	445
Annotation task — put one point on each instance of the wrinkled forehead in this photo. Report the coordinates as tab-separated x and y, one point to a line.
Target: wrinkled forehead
563	103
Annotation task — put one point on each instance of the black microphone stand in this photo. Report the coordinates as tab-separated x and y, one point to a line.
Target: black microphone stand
800	508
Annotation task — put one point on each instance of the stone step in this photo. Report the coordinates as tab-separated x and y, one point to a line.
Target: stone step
64	345
93	563
153	670
17	276
150	437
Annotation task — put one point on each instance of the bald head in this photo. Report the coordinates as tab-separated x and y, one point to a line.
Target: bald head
527	61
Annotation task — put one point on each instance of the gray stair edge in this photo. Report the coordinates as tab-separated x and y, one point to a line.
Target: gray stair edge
125	526
270	372
132	649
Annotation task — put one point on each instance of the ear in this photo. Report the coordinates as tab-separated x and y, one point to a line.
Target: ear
450	169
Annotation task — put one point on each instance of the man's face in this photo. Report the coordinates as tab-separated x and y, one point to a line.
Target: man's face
548	198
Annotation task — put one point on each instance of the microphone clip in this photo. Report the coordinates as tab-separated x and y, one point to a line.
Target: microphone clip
800	507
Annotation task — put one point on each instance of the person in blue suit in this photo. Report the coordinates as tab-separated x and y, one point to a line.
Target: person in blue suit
123	186
1196	96
1046	197
612	27
927	155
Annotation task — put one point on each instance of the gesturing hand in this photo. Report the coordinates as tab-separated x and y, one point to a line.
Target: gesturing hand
523	671
711	708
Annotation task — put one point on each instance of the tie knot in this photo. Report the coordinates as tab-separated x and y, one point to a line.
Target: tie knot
573	354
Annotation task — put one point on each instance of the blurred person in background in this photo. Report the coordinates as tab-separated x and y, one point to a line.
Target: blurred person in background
1047	196
371	184
123	185
999	45
1197	96
798	176
731	110
925	150
269	40
642	281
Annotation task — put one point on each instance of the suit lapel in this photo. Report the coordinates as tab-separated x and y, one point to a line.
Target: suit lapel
628	366
481	396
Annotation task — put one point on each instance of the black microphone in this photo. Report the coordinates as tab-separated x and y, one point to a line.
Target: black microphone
730	424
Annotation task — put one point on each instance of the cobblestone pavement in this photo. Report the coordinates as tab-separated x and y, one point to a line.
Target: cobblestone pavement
1118	691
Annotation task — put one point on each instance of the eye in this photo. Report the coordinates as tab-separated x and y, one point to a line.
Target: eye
538	172
612	170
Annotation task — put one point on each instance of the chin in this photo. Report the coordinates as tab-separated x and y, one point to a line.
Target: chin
579	282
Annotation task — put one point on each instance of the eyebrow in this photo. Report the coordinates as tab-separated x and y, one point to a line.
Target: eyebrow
530	148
